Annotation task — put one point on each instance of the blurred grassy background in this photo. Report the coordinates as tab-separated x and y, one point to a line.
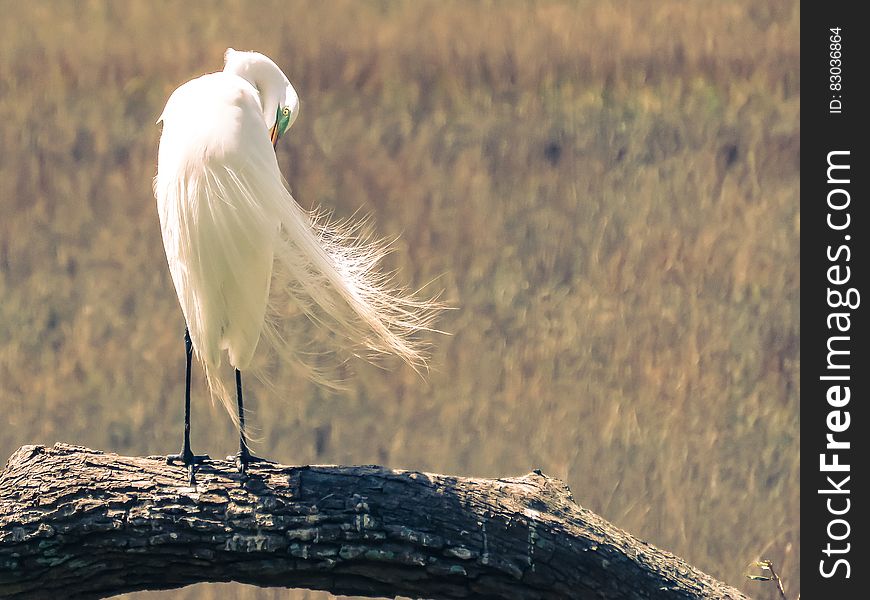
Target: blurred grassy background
608	191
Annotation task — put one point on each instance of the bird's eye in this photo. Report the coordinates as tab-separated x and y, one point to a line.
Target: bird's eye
285	111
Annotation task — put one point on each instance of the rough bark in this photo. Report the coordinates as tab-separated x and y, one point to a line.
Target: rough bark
78	523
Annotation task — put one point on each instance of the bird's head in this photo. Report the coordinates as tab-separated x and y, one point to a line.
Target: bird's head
278	99
288	110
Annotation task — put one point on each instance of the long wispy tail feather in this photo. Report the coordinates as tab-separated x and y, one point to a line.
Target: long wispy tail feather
324	269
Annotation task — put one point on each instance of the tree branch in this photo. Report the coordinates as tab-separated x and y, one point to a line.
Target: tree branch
78	523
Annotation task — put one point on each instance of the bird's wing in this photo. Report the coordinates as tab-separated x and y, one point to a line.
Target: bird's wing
219	239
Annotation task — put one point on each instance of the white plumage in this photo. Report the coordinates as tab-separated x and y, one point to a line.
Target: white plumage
227	219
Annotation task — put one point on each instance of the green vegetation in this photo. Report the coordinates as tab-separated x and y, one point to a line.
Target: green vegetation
608	192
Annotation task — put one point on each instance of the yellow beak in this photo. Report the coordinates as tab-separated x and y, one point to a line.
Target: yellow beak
273	135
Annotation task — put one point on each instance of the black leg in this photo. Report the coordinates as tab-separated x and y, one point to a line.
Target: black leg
244	452
186	456
244	457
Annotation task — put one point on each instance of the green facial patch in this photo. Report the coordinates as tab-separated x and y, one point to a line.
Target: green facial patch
282	123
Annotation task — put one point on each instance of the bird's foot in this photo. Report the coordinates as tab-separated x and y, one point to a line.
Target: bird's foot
188	459
243	458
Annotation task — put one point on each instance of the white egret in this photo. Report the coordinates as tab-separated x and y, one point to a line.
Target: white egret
227	219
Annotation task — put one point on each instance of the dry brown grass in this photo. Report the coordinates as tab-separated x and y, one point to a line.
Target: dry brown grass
607	191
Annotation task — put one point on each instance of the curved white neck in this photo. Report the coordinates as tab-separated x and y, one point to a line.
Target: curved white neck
269	81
